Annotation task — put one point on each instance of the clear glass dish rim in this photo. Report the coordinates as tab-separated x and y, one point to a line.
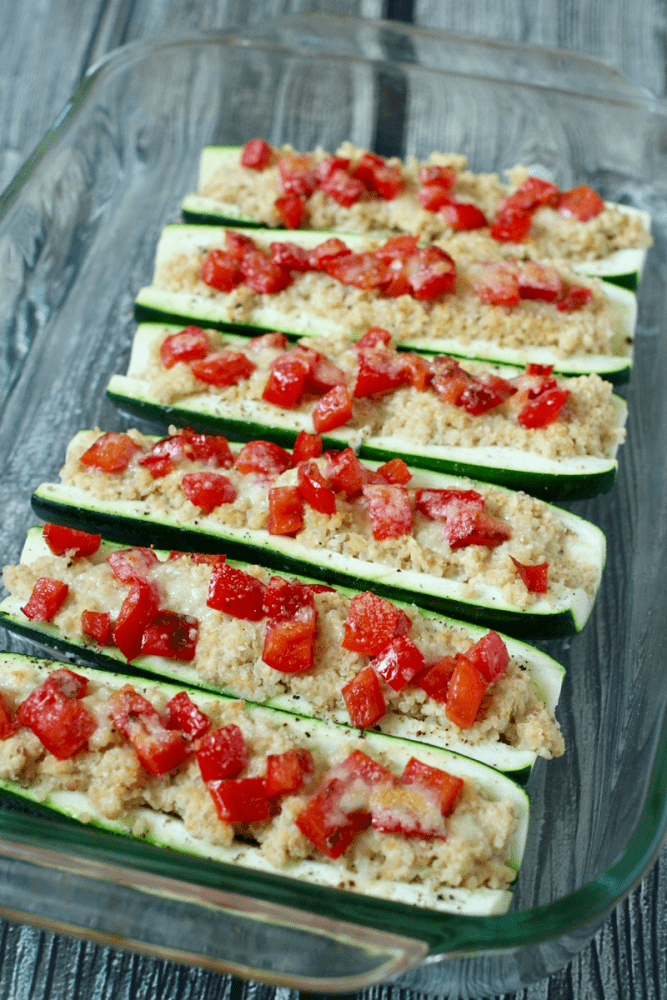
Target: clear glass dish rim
456	935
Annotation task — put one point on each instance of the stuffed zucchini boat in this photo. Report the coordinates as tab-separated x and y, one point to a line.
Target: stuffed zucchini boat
261	789
439	199
433	414
346	657
503	312
452	545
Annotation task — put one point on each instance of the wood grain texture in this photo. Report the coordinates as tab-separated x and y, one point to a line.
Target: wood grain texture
45	47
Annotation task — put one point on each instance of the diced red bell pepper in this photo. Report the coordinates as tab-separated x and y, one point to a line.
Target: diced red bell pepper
539	281
395	471
536	578
297	174
496	283
236	593
372	623
290	256
380	370
464	694
431	272
191	344
181	713
305	447
240	800
60	540
343	188
399	662
514	217
344	472
135	615
362	270
533	369
440	175
416	370
208	490
198	558
384	178
223	368
261	273
511	225
211	448
159	749
287	772
45	600
314	489
439	504
324	253
445	787
365	166
7	726
479	397
222	753
324	375
333	410
449	379
581	203
264	458
285	510
132	565
55	714
284	598
277	341
358	766
220	270
470	526
390	511
97	625
292	210
171	635
289	645
111	452
326	167
463	215
373	337
433	196
256	154
324	823
490	656
435	679
287	381
576	297
364	699
544	409
238	244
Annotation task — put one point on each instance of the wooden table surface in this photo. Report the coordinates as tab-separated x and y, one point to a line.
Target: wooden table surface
45	48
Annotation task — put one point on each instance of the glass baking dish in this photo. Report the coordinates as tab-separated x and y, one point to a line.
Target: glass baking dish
78	229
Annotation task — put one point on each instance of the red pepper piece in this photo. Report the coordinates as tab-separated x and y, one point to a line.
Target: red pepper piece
285	510
362	270
290	256
292	210
158	749
345	473
181	713
372	623
395	471
581	203
238	245
277	341
496	283
241	800
324	375
536	578
208	490
198	558
439	504
60	540
449	379
539	281
314	489
297	174
435	679
324	823
576	297
444	786
261	273
439	175
135	615
45	600
343	188
490	656
56	716
463	215
399	662
533	369
464	694
327	166
222	753
544	409
471	526
111	452
287	381
256	154
333	410
358	766
481	396
132	565
220	270
171	635
289	645
416	370
431	272
364	699
288	772
324	253
306	446
511	225
191	344
223	368
263	458
380	370
7	726
433	196
514	217
384	178
97	624
236	593
373	337
284	598
390	511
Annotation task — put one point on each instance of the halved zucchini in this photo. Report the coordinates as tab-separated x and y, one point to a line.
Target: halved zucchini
550	479
479	600
165	828
161	305
621	267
